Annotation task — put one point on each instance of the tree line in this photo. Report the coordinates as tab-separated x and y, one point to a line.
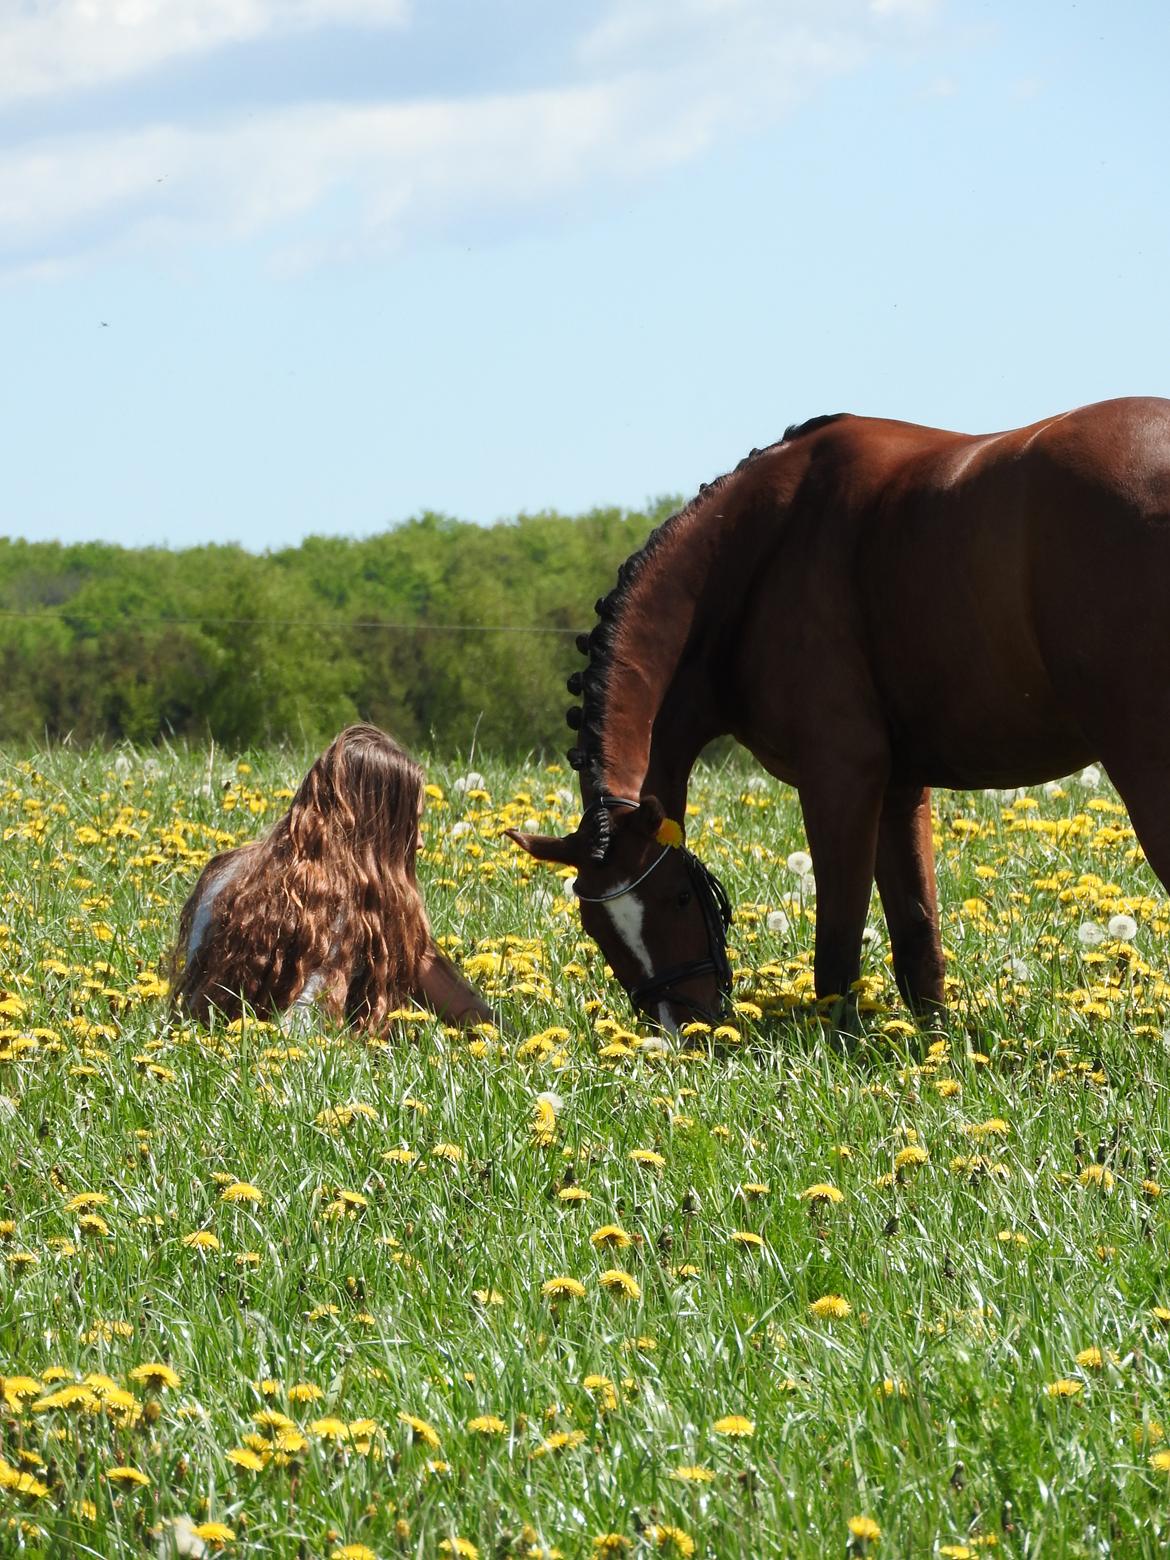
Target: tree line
101	642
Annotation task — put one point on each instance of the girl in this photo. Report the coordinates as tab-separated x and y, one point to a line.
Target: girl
325	911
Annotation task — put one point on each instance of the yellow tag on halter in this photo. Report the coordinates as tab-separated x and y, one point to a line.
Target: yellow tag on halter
669	833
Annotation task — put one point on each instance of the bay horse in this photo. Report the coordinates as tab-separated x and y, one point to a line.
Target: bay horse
873	608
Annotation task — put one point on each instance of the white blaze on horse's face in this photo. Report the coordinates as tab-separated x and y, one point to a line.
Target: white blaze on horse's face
627	914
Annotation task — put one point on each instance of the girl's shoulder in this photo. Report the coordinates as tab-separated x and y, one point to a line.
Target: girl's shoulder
216	875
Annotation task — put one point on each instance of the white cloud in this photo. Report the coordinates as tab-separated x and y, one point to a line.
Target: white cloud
657	84
58	45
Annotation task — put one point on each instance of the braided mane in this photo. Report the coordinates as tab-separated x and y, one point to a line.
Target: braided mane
592	684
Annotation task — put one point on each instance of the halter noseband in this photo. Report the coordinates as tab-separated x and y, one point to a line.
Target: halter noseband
716	908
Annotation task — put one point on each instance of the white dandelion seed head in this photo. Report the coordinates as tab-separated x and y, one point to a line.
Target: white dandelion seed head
755	783
1053	788
1090	934
1123	928
869	936
777	921
1090	776
571	889
553	1100
800	862
471	781
808	885
123	765
1021	971
458	830
564	795
543	900
531	825
180	1538
653	1045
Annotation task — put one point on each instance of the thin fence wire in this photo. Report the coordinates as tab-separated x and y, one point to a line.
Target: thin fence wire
73	617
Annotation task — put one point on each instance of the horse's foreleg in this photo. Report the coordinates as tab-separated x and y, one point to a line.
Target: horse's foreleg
1145	790
906	882
841	817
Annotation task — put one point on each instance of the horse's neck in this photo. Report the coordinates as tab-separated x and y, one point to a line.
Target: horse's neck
658	710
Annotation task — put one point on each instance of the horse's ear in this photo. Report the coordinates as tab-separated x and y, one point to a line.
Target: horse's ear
649	815
557	850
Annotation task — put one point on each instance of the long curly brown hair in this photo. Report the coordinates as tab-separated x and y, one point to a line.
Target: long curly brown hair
331	891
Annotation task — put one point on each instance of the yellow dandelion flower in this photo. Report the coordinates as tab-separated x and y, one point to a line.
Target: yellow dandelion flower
1097	1175
21	1483
621	1282
544	1124
18	1390
692	1473
573	1194
330	1428
487	1424
1161	1313
563	1288
449	1151
156	1376
241	1191
202	1240
561	1441
1091	1358
611	1235
400	1156
420	1430
957	1551
822	1192
601	1388
85	1201
734	1425
126	1476
748	1239
865	1529
610	1544
353	1552
305	1392
913	1154
830	1308
1161	1461
214	1532
648	1156
1064	1388
669	833
673	1539
995	1126
459	1546
242	1457
491	1296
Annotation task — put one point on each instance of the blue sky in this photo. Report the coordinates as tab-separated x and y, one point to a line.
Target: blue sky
360	258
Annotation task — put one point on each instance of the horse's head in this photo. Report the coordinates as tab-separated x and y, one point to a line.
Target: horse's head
659	916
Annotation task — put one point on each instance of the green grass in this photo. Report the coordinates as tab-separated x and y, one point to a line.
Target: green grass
973	1278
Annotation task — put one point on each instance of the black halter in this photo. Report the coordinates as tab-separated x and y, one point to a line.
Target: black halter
716	908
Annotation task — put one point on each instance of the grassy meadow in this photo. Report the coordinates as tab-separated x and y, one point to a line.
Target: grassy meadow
567	1289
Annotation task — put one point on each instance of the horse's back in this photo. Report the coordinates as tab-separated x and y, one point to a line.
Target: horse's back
1004	579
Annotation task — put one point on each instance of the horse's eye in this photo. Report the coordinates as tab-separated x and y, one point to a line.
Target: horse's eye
684	898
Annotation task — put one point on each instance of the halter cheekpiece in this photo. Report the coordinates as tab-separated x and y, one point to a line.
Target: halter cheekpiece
716	908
